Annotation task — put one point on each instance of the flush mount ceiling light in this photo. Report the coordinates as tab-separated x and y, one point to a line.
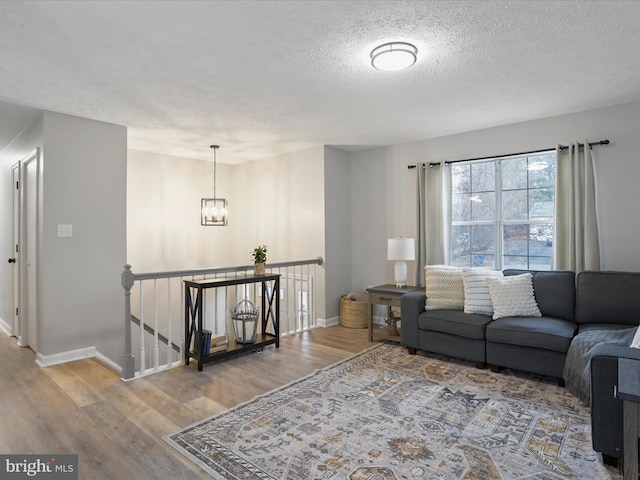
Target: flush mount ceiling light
394	56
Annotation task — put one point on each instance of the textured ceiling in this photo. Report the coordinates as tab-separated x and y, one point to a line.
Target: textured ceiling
261	78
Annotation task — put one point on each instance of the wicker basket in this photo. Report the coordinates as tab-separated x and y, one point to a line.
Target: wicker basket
354	313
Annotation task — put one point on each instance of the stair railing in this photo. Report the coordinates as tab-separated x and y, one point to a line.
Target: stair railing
154	302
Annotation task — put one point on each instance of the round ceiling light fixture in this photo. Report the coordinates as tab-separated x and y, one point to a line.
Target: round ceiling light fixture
393	56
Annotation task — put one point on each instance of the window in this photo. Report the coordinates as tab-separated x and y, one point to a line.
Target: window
502	212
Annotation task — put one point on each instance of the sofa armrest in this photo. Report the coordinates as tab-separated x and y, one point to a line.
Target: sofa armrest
412	305
616	351
606	410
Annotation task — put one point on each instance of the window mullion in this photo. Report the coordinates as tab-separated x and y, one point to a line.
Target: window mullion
528	219
474	222
498	221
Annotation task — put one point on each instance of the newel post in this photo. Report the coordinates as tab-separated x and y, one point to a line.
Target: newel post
128	364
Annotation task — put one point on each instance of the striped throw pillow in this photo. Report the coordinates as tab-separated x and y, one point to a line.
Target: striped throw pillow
476	290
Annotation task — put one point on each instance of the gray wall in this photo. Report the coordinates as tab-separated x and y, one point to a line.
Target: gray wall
85	172
337	233
84	184
385	185
163	214
278	201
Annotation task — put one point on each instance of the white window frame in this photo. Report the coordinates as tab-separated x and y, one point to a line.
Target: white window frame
499	223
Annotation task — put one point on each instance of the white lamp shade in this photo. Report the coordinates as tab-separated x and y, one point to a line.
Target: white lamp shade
401	249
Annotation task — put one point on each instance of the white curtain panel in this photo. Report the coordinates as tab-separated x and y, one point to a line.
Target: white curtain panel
576	245
433	197
421	218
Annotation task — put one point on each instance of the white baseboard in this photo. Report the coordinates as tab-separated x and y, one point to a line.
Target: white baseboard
73	355
5	327
108	362
64	357
323	322
328	322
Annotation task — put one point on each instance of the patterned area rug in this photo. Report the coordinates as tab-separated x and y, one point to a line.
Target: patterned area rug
384	414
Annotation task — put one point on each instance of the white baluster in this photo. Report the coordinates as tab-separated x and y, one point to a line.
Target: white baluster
156	342
169	325
143	357
313	322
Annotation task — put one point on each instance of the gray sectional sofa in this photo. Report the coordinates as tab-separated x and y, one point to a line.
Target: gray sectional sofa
570	304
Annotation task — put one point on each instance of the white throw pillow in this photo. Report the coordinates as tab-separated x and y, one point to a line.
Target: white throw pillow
445	288
513	296
476	290
635	343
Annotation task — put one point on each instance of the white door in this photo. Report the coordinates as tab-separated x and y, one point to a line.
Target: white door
15	254
30	250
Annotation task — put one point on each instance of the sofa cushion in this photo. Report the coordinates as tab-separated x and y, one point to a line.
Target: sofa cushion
476	290
608	297
454	322
539	332
512	296
555	292
444	287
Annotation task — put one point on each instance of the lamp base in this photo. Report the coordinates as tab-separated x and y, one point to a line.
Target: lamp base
401	274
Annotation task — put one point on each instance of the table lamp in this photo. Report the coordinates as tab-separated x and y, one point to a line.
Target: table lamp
401	250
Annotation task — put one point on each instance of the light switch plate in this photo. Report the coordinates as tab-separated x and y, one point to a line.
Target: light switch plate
65	230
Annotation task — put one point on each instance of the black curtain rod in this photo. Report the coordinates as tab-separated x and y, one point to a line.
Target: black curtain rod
562	147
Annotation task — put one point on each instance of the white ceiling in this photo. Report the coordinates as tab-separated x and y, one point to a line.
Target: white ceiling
261	78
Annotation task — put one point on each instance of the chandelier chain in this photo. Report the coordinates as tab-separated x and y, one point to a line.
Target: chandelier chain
215	147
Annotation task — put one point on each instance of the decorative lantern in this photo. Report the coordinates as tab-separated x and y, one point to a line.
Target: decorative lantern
245	321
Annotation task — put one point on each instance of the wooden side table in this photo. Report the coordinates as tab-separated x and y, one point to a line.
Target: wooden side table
391	296
628	390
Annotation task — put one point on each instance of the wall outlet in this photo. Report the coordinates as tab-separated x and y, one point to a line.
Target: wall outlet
65	230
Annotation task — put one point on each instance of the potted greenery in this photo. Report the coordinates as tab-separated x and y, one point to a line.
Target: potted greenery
259	256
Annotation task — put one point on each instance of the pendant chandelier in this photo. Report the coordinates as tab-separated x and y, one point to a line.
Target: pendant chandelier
213	211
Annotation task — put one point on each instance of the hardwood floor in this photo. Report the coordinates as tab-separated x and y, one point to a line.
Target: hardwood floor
116	427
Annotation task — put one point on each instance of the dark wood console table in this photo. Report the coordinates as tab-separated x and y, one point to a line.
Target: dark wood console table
193	310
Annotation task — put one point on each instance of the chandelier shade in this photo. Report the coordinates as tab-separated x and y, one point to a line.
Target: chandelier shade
214	211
